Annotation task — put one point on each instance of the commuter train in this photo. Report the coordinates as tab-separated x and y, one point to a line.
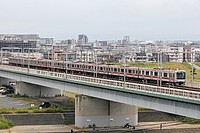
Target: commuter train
131	74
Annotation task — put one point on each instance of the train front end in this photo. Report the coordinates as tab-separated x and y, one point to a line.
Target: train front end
180	77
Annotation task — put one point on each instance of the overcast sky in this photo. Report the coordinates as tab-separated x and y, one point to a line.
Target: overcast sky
103	19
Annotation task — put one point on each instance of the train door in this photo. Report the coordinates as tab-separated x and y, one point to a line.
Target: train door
170	77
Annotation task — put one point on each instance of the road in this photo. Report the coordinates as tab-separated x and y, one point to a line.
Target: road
9	102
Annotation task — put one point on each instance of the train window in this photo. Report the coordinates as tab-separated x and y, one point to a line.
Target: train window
129	71
77	66
147	73
165	74
101	68
155	73
73	65
142	72
89	67
122	70
136	71
115	69
170	75
180	75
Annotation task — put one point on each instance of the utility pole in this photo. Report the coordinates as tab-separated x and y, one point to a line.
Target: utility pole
124	69
28	60
66	65
161	69
1	55
158	73
96	65
192	67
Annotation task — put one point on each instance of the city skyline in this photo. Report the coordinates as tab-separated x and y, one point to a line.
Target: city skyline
103	19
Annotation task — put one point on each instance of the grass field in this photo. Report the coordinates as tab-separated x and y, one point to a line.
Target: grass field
197	63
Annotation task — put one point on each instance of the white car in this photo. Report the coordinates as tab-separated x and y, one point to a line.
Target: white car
2	89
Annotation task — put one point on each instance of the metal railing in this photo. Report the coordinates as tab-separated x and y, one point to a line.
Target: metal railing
187	94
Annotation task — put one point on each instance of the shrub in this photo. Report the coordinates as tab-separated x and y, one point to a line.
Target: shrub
21	111
5	124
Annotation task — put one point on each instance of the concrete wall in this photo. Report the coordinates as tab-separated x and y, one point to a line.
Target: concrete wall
40	118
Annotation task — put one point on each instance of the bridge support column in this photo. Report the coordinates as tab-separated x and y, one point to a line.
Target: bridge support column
89	111
33	90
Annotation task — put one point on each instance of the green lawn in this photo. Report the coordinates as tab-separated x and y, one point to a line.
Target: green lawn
197	63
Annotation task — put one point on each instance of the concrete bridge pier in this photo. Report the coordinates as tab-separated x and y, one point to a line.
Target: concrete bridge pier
33	90
103	113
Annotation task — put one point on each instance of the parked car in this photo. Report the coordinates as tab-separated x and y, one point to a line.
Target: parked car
12	83
45	105
7	91
2	89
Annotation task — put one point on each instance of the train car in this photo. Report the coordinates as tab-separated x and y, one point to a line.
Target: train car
131	74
